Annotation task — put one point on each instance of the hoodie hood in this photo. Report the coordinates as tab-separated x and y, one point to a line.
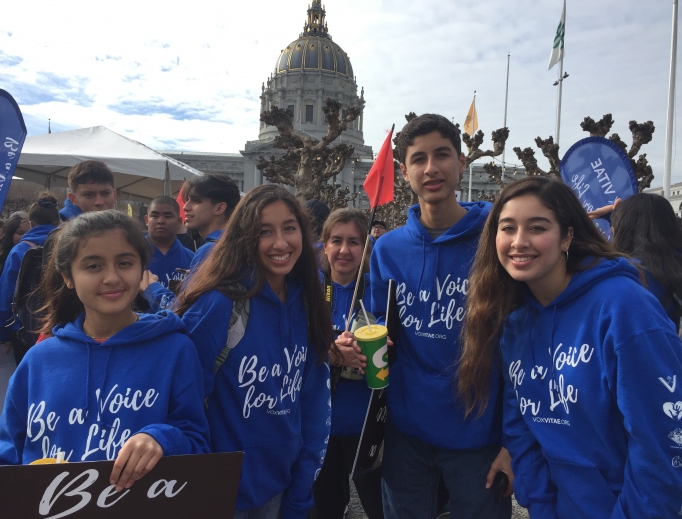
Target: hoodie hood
469	226
38	234
148	327
70	210
586	279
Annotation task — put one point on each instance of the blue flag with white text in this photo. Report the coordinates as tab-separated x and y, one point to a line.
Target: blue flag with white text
12	135
598	171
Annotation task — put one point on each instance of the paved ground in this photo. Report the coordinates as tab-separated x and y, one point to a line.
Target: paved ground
355	509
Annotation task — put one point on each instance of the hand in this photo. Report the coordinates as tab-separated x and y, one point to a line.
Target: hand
147	279
138	456
603	211
350	353
6	346
502	463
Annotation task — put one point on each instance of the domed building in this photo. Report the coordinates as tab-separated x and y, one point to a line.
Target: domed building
307	71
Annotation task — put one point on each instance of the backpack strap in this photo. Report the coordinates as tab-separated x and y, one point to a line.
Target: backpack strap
239	318
23	267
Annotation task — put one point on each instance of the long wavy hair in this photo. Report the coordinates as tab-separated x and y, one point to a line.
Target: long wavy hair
345	215
61	302
235	259
495	294
645	227
7	234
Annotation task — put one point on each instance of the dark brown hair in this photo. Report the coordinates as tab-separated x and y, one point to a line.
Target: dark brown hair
423	125
45	211
235	260
7	234
94	171
345	215
495	294
61	303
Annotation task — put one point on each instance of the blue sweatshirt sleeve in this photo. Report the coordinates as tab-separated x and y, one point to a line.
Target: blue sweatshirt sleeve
646	376
379	289
533	488
207	325
159	297
13	423
8	282
186	428
315	424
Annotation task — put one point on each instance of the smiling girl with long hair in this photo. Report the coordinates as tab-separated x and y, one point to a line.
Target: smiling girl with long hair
256	312
592	364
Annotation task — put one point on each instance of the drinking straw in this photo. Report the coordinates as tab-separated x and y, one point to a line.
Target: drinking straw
369	325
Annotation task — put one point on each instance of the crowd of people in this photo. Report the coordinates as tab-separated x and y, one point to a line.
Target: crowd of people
528	346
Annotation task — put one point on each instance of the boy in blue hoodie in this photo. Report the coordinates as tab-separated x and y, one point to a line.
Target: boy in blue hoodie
170	260
427	435
210	202
91	186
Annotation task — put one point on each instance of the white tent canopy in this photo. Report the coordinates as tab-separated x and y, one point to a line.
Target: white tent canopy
140	173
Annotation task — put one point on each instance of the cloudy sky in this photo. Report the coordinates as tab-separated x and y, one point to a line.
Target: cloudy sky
187	75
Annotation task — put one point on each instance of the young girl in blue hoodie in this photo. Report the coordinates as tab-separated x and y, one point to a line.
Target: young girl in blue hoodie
591	362
343	241
266	382
109	384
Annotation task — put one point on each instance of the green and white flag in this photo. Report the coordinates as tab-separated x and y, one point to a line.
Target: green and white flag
558	49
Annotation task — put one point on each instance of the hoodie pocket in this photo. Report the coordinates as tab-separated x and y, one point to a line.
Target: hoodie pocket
582	491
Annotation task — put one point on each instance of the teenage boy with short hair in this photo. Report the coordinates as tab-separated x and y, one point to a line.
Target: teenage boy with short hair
91	185
210	201
429	259
170	261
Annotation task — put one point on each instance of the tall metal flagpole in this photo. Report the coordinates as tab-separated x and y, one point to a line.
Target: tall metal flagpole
667	170
558	103
471	168
506	97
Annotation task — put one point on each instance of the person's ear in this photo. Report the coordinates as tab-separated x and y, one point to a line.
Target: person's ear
219	208
115	194
71	197
146	219
567	240
68	282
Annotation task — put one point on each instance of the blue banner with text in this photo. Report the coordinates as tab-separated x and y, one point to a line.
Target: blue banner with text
598	171
12	135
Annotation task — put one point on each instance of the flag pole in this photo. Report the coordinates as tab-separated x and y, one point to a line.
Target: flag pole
364	251
558	105
506	98
667	170
471	168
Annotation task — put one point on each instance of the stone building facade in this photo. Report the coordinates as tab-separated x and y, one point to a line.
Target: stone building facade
310	69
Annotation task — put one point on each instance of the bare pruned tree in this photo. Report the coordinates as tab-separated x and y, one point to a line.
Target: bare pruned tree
308	163
641	134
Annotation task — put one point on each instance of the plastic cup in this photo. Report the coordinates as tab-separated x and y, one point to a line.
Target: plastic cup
374	347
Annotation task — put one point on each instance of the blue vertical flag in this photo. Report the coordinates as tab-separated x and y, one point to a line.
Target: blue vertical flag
12	135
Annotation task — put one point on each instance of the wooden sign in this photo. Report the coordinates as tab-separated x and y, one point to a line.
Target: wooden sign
203	485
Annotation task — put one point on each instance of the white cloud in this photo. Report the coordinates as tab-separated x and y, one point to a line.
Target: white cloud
188	74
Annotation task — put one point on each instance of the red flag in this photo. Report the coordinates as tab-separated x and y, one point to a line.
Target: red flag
181	203
379	182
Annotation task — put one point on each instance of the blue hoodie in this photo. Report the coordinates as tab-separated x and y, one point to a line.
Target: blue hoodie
85	399
70	210
269	399
351	398
165	265
207	247
10	273
593	400
431	279
159	296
